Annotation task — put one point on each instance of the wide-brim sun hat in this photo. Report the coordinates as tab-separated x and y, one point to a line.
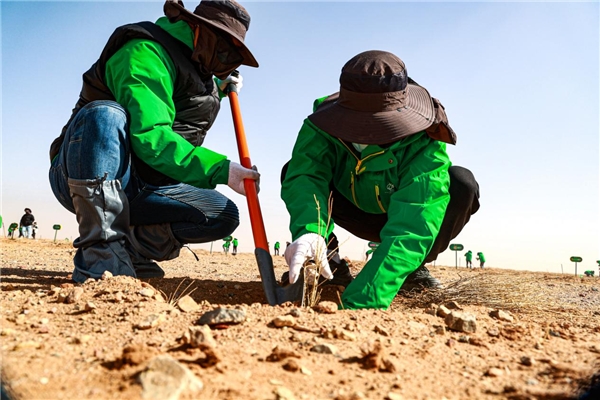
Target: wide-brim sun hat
225	15
376	103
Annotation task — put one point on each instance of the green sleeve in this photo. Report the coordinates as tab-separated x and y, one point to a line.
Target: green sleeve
307	181
140	75
414	218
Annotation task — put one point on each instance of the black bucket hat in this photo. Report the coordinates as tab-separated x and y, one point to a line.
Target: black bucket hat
225	15
377	103
27	209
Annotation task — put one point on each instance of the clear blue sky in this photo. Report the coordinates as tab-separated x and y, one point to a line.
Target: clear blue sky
519	82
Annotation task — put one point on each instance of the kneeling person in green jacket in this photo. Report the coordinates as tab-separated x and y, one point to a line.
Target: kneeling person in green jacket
378	146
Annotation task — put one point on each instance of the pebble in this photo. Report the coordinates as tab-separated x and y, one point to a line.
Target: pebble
106	275
501	315
147	292
326	307
494	372
187	304
527	361
222	316
284	320
283	393
442	311
75	295
461	322
324	348
151	321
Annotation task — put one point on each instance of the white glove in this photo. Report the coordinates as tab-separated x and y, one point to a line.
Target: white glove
236	80
237	174
307	246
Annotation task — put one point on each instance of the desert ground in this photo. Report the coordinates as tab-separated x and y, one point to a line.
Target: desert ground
205	331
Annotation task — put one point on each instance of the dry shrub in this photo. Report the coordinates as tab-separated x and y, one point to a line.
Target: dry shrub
507	291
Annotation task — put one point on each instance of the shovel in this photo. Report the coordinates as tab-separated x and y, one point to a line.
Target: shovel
275	293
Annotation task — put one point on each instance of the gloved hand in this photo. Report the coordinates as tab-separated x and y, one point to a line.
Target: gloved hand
236	80
238	173
307	246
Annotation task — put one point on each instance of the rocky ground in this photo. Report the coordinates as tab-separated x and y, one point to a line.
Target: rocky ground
206	332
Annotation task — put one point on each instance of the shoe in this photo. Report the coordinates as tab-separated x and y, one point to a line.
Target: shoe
341	275
147	270
420	279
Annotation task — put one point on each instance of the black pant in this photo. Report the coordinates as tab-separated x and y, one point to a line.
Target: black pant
464	202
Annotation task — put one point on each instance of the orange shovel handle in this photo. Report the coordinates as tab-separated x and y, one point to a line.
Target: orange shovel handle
256	220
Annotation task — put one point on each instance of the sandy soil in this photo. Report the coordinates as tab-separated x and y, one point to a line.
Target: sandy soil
536	335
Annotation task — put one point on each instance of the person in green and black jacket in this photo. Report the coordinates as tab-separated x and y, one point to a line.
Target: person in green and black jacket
130	163
378	148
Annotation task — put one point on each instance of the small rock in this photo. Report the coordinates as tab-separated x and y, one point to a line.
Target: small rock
284	320
151	321
291	365
147	292
222	316
501	315
295	312
394	396
326	307
283	393
461	322
89	306
166	378
527	361
278	354
452	305
305	371
106	275
75	295
442	311
187	304
494	372
324	348
381	331
196	336
27	345
439	329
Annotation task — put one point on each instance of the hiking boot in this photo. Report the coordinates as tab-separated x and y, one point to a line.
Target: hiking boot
420	279
148	269
341	275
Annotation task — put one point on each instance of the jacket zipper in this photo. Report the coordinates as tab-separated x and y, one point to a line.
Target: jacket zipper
358	170
379	198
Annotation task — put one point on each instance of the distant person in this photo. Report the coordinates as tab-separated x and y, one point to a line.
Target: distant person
367	254
34	228
26	223
481	259
130	163
378	149
589	273
11	230
469	259
226	246
235	245
276	248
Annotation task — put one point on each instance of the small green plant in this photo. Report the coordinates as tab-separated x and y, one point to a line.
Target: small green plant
312	268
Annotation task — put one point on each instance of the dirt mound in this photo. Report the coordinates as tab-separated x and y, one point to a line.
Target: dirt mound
490	334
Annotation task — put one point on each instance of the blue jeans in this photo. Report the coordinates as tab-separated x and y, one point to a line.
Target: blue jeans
96	144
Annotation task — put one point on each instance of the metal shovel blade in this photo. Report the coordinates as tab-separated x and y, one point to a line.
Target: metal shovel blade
275	293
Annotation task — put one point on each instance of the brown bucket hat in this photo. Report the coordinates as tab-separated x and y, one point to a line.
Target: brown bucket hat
377	102
225	15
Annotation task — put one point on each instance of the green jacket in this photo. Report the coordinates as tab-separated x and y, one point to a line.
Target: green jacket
481	257
141	76
469	256
235	242
408	180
